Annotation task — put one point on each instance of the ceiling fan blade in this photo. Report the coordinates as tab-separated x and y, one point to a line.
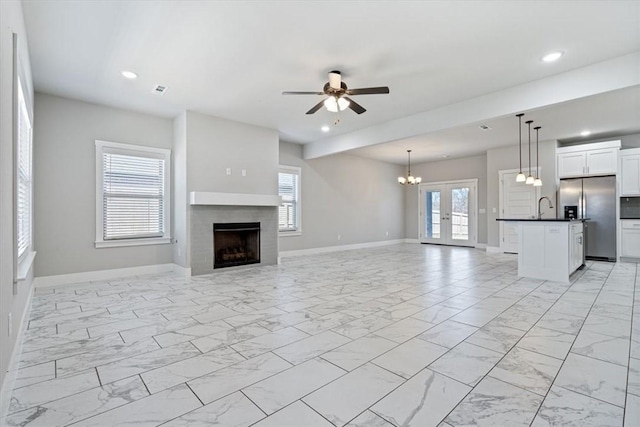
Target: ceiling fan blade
368	91
335	79
316	107
355	106
303	93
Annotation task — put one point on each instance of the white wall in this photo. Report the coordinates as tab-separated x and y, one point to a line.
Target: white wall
448	170
11	21
356	198
65	180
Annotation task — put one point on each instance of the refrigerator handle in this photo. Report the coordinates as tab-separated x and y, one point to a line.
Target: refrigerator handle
584	205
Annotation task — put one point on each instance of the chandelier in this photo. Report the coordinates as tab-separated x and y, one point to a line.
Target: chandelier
410	179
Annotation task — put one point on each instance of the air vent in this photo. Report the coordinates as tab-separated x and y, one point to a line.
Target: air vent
485	127
160	89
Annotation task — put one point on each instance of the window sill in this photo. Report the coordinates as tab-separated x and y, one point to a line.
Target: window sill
289	233
132	242
25	265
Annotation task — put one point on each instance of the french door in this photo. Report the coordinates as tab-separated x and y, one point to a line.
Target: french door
448	213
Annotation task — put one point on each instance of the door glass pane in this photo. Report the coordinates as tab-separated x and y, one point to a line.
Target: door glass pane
432	217
460	213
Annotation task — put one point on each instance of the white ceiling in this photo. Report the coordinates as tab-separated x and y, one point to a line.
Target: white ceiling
232	59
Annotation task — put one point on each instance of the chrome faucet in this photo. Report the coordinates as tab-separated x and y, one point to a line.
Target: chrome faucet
540	200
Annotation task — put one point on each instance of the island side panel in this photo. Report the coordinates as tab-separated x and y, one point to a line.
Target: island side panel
543	251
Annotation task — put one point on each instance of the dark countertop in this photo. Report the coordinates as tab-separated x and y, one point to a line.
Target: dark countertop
544	219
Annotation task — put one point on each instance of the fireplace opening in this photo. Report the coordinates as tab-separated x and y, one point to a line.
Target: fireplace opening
236	244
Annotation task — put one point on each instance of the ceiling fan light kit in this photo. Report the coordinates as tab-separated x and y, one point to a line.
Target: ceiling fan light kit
410	179
336	91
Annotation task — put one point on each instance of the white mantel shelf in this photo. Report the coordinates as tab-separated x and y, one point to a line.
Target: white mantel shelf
233	199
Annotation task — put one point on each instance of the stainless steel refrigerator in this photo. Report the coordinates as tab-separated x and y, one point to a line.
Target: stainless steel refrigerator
595	199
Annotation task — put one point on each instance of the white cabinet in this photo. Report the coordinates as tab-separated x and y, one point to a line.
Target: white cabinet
576	253
571	164
549	250
588	160
630	236
630	172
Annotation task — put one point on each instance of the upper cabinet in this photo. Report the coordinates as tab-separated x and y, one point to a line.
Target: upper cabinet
630	172
588	160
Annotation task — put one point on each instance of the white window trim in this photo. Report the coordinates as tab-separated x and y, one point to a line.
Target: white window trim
131	149
23	262
298	231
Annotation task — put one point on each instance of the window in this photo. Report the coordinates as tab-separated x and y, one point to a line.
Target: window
290	208
24	192
132	195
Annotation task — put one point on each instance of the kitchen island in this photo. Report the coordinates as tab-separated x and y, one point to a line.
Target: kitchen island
549	249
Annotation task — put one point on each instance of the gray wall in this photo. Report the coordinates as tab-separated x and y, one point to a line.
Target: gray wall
204	147
356	198
506	158
181	248
65	193
11	21
448	170
214	144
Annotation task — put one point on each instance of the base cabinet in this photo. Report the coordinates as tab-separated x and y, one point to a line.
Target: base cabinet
630	238
550	250
576	253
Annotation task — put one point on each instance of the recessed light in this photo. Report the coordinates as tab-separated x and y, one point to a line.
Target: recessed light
129	74
553	56
585	133
325	128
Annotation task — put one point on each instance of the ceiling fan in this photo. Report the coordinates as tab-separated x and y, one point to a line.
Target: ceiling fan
337	92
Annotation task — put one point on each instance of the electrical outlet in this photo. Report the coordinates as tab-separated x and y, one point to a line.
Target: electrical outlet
339	237
179	252
244	172
10	324
387	234
228	171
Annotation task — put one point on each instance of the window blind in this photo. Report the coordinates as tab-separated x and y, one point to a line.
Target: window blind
24	176
133	196
288	212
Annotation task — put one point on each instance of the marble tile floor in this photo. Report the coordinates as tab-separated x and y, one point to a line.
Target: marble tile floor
402	335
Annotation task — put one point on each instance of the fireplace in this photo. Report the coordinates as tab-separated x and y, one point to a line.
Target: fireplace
236	244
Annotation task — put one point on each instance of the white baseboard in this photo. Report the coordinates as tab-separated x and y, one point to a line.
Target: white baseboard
183	271
411	241
90	276
494	250
326	249
12	370
481	246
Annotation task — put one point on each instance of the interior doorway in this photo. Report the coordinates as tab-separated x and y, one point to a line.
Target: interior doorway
448	212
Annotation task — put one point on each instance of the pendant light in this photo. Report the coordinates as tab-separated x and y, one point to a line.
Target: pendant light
530	178
520	177
410	178
537	182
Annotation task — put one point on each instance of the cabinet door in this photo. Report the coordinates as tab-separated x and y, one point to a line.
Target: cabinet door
571	164
630	175
602	162
631	243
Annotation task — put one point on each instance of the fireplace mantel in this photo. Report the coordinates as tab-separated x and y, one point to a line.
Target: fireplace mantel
233	199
